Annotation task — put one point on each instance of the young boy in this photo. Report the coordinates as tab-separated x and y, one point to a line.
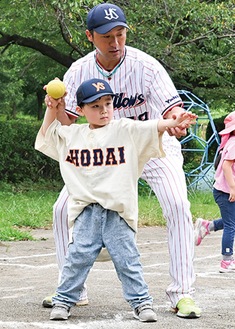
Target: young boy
100	163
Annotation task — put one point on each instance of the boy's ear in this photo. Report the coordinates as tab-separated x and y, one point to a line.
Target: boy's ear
79	111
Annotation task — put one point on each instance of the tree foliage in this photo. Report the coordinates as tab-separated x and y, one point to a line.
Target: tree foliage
193	39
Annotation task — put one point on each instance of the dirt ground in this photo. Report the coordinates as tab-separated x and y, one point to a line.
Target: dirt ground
28	272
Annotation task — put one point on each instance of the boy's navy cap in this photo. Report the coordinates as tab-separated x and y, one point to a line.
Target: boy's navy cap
92	89
104	17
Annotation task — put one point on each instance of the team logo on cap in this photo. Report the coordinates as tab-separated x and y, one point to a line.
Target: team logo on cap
99	86
111	14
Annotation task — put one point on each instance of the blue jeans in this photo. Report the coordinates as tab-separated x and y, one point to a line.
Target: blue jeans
218	224
227	210
95	228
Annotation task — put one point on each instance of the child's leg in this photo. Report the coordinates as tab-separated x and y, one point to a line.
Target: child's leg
119	239
218	224
61	237
227	210
87	243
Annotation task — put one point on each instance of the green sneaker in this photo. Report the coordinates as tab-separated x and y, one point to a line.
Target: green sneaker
47	302
187	309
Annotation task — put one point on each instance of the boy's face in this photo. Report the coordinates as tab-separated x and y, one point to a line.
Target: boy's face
98	113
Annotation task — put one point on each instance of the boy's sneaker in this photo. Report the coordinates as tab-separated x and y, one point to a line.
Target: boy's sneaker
201	229
187	309
145	313
227	266
60	312
47	302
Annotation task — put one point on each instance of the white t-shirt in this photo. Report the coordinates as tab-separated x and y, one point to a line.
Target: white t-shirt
102	165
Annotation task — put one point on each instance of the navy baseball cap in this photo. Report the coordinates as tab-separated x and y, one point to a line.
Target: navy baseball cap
104	17
92	89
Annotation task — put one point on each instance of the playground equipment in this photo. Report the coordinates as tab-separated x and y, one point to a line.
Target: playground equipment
196	148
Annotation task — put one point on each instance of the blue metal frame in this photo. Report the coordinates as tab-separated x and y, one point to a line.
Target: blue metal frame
200	172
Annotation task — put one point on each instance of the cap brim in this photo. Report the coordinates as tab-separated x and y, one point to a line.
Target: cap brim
227	130
95	97
108	27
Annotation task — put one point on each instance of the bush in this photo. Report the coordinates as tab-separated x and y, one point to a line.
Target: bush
19	160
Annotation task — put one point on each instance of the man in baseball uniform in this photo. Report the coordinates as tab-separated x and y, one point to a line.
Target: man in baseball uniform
143	91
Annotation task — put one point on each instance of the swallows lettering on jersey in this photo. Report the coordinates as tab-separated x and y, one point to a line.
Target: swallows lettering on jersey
112	156
121	101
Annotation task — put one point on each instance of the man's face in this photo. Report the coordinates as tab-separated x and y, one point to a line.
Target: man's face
110	46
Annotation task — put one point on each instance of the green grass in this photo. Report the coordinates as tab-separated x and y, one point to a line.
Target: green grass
202	205
24	208
28	206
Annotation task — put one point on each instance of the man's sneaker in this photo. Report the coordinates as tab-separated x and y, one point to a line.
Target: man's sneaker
47	302
201	229
187	309
227	266
145	313
60	312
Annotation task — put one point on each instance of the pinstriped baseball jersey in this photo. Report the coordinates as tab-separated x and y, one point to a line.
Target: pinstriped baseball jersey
143	88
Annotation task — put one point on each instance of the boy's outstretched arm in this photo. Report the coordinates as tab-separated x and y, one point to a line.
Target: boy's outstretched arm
175	131
182	121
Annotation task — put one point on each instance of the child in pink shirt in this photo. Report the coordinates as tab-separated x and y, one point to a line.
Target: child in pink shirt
224	195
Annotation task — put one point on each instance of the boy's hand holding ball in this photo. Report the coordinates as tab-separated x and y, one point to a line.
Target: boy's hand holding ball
56	91
55	88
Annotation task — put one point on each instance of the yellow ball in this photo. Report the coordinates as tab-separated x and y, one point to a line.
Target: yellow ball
55	88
